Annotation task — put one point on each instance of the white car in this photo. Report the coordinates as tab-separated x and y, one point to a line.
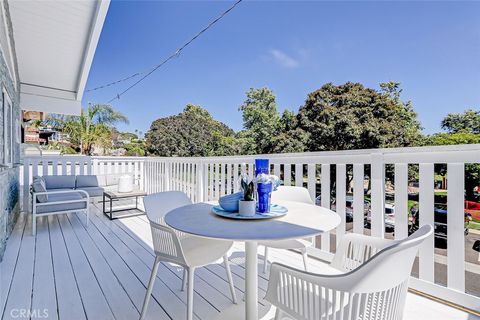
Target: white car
389	216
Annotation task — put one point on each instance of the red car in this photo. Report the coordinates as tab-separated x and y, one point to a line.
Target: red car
473	208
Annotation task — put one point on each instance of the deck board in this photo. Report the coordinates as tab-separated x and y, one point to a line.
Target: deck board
118	300
93	298
68	297
102	271
44	294
20	297
9	262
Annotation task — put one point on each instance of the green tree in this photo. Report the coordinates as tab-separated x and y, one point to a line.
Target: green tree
192	133
134	149
350	116
289	138
468	121
472	170
261	120
92	128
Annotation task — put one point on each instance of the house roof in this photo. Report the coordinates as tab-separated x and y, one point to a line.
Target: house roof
55	42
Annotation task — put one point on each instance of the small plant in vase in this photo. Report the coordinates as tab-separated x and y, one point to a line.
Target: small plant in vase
247	206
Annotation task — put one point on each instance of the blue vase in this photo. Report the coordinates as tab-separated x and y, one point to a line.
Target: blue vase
261	166
264	190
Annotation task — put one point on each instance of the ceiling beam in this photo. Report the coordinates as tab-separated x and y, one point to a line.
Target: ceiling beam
91	45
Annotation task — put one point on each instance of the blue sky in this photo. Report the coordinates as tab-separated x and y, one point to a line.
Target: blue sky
432	48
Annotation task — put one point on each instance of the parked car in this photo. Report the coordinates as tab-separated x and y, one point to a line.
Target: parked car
348	206
389	217
473	208
440	222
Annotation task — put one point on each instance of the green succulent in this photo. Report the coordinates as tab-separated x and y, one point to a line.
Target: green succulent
248	190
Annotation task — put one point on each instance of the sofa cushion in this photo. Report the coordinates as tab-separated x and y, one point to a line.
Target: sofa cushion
86	181
38	185
93	191
102	180
53	207
60	182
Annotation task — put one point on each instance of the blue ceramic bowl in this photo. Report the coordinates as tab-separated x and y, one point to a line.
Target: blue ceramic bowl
230	202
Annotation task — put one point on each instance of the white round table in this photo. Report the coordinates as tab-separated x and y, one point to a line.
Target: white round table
302	221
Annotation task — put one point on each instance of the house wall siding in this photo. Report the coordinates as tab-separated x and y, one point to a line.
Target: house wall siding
9	177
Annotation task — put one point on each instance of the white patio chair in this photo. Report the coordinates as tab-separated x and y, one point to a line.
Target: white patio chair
367	279
296	194
175	247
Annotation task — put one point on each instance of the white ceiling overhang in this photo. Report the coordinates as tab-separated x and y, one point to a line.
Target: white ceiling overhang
55	42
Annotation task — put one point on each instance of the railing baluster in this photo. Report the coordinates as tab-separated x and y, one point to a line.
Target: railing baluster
401	200
426	215
235	175
229	178
276	169
54	167
287	174
299	175
325	201
222	179
455	227
340	201
378	196
312	180
358	198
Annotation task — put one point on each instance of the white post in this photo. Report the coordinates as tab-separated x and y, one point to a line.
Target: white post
401	201
251	281
167	176
426	254
341	201
455	227
378	196
358	198
325	202
199	181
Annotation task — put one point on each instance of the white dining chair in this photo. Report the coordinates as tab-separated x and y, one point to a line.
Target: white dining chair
295	194
176	247
367	279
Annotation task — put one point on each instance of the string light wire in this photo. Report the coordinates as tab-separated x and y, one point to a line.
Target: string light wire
170	57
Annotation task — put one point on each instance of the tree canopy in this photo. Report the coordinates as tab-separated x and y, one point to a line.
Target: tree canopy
463	128
192	133
350	116
468	121
261	120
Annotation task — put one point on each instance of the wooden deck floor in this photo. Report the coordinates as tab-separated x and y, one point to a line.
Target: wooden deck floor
70	272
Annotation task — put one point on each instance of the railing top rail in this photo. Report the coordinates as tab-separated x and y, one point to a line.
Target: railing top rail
431	154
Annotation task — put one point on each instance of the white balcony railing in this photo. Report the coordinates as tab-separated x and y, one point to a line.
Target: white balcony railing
206	179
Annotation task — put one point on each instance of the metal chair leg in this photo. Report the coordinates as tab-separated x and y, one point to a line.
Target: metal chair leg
153	275
184	279
265	260
278	314
191	275
305	257
230	279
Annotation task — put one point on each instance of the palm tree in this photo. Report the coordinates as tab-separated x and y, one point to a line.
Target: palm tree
92	127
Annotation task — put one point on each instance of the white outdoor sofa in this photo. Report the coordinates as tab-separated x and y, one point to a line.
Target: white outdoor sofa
58	199
67	193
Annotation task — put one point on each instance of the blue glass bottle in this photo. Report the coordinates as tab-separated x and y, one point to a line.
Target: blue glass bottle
264	191
262	166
